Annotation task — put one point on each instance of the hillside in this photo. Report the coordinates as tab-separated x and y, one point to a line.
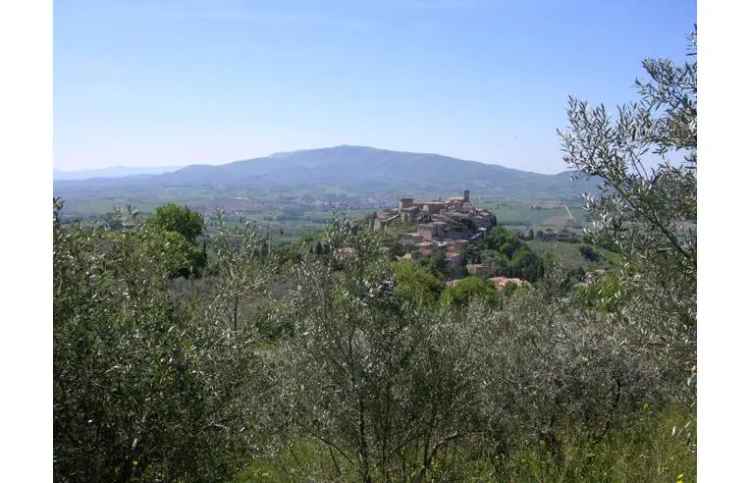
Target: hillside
353	171
113	172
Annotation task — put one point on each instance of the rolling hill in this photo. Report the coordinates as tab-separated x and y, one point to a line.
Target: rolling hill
345	169
113	172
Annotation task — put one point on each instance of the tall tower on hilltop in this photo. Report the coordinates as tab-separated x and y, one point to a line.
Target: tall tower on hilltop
466	196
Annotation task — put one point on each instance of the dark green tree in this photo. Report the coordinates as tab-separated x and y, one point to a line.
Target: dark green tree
470	289
171	234
588	252
180	219
436	264
415	284
526	264
511	256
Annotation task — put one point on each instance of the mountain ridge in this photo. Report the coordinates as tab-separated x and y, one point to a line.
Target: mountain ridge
110	172
358	169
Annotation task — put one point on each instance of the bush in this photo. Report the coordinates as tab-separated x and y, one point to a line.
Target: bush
436	264
526	264
170	235
174	254
383	387
511	256
416	285
588	252
182	220
144	390
470	289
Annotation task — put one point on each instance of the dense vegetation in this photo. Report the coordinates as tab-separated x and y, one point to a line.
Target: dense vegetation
188	354
509	255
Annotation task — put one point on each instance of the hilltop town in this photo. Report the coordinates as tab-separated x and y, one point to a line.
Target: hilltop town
444	227
447	230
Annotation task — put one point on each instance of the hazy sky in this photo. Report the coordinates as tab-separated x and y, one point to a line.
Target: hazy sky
162	82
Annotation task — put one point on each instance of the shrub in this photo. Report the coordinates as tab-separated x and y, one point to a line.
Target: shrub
143	390
384	387
416	285
469	289
588	252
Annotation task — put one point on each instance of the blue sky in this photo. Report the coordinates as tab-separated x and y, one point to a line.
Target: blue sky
160	83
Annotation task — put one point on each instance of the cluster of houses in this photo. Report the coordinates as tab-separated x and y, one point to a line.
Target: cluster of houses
488	271
447	226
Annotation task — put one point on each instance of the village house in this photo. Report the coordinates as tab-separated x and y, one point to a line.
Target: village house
480	269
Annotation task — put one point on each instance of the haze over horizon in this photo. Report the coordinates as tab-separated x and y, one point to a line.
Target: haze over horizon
191	82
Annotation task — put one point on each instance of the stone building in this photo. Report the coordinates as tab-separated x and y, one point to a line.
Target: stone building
405	203
480	269
432	207
409	214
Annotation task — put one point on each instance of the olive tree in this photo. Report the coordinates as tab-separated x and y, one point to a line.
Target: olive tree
555	374
385	385
646	157
649	213
144	389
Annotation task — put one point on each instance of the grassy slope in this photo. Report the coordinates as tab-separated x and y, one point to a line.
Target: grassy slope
657	447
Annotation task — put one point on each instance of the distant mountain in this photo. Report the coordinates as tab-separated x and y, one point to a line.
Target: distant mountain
113	172
354	169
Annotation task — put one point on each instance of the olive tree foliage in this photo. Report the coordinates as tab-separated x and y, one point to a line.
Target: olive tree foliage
396	390
121	217
144	389
554	372
648	213
242	268
385	385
